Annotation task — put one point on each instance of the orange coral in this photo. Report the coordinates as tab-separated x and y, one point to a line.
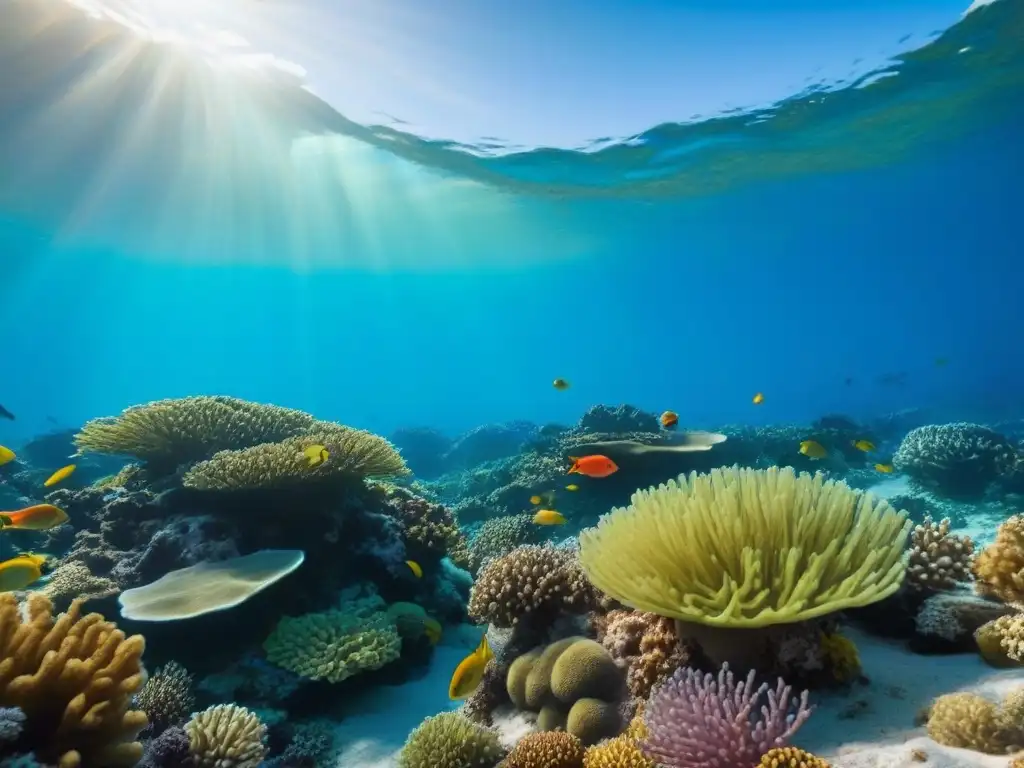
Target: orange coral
551	749
999	569
791	757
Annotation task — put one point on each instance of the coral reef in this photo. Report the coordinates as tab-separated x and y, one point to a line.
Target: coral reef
956	460
939	559
226	735
646	645
972	722
791	757
999	568
166	697
620	752
546	750
500	535
449	740
1001	641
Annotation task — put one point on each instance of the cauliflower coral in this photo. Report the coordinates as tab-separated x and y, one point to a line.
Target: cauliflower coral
999	569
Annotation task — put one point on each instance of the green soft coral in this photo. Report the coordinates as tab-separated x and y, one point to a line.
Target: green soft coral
333	645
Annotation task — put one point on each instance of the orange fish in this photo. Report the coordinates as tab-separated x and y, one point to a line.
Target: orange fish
41	517
593	466
758	398
669	419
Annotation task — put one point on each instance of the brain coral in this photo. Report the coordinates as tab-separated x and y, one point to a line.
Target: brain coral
73	678
955	460
999	569
747	548
449	740
530	581
333	645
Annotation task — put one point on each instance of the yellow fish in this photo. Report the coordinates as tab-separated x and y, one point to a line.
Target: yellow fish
59	475
417	571
548	517
6	455
470	672
21	571
548	497
572	487
560	384
39	517
863	445
432	629
884	468
758	399
813	450
316	455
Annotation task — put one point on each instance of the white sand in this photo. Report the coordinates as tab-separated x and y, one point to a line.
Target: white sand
872	727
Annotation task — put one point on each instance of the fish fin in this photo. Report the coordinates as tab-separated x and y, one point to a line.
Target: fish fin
5	522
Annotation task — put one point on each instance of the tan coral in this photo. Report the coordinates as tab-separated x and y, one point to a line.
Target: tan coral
226	736
73	676
938	559
999	569
970	721
352	454
1001	641
73	580
791	757
546	750
529	581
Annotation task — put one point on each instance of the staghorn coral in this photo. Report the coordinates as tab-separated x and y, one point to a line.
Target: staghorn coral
955	460
333	645
647	645
747	548
73	677
529	582
704	721
168	433
972	722
166	698
73	580
500	535
791	757
226	736
449	740
546	750
999	569
1001	641
353	454
620	752
938	559
430	530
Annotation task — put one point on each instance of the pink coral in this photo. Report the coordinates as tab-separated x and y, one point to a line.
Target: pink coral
700	721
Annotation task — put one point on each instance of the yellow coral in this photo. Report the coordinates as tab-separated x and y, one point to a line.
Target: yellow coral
450	740
73	677
1001	641
999	569
546	750
969	721
791	757
226	735
620	752
747	548
840	656
352	453
333	645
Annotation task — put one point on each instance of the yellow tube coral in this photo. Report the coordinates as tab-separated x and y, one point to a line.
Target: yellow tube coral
747	548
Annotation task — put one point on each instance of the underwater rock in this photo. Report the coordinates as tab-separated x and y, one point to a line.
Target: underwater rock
423	449
618	419
488	443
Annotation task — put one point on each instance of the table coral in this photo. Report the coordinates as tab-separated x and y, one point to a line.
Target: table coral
73	676
333	645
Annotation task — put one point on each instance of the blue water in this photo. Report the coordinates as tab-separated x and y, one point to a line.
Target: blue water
179	230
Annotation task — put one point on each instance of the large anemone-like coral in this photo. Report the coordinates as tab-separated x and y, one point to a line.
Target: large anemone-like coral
740	548
938	559
352	454
226	735
955	460
73	677
529	582
449	740
999	569
171	432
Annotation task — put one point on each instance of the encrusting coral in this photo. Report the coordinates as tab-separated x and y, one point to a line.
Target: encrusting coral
999	569
972	722
938	559
529	582
226	735
73	677
73	580
352	454
333	645
449	740
747	548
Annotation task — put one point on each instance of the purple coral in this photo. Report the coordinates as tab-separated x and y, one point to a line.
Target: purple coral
700	721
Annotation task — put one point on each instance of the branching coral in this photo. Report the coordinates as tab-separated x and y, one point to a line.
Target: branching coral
449	740
166	698
938	559
956	460
333	645
180	431
703	721
352	454
73	677
226	735
529	581
972	722
747	548
999	569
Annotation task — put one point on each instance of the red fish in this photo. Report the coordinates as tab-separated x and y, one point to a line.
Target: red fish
669	419
593	466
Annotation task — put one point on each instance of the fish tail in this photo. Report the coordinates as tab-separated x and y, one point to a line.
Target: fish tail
5	522
575	465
